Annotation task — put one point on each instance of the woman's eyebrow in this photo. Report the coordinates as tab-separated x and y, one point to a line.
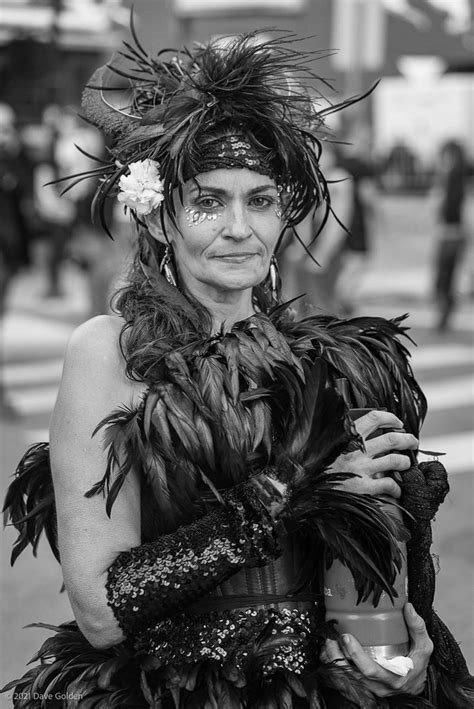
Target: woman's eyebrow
222	191
262	188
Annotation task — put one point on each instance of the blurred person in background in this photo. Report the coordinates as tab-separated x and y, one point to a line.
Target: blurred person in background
88	246
16	202
16	210
57	214
399	168
317	282
447	201
66	219
356	160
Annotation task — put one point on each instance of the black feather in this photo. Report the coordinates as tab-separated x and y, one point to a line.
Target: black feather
178	98
29	503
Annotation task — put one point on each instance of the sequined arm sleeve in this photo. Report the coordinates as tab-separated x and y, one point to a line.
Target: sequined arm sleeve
157	579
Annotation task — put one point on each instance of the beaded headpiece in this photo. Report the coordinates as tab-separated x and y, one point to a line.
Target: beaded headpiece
246	103
229	151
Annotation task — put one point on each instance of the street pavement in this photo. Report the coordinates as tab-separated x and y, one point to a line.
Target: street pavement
34	337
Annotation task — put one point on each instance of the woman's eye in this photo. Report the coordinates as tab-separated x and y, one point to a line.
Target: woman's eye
208	203
262	202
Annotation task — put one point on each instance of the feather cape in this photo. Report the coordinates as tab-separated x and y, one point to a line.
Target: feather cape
220	409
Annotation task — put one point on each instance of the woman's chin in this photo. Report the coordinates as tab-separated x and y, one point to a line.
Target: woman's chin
236	280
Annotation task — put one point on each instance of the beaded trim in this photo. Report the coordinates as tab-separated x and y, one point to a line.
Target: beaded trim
231	151
282	638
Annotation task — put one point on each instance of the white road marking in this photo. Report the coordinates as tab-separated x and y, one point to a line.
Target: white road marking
458	449
450	393
22	334
31	373
420	314
433	356
39	400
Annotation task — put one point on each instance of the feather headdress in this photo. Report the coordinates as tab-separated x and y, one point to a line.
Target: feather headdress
176	103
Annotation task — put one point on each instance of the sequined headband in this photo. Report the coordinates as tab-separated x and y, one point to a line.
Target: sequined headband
227	151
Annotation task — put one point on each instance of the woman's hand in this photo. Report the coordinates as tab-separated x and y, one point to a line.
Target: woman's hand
380	681
380	457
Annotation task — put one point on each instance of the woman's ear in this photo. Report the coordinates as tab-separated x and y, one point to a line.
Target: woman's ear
153	225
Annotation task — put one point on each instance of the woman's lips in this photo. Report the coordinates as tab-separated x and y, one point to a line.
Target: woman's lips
235	258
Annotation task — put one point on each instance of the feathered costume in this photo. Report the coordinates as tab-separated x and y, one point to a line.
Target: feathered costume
231	406
221	604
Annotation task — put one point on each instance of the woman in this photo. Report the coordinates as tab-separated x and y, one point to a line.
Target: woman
449	195
208	419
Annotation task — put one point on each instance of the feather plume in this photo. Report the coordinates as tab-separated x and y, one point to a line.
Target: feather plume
176	100
29	503
70	666
369	352
123	441
349	526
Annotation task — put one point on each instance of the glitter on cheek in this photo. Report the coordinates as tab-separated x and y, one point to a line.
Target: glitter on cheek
279	209
194	217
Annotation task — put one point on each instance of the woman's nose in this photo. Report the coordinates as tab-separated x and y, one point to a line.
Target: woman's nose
237	225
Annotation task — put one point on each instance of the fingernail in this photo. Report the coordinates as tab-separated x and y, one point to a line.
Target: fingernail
346	639
410	609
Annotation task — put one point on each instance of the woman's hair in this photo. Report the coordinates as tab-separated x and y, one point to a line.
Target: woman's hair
159	317
249	102
179	106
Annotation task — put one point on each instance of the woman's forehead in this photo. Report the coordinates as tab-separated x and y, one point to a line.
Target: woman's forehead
230	180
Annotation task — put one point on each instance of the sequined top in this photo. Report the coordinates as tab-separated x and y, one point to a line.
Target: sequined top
253	608
215	589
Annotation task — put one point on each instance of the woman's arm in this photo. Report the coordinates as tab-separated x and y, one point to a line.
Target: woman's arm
93	383
118	586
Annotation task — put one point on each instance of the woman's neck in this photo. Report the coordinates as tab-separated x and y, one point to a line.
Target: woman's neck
227	309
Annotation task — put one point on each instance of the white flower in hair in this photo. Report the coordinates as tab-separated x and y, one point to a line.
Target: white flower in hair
142	189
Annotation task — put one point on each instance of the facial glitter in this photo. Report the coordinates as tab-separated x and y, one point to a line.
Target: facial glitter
195	217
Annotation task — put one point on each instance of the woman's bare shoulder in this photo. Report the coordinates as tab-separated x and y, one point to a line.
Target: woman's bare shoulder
98	341
102	331
94	356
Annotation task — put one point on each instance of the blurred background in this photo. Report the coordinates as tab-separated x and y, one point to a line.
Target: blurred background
402	165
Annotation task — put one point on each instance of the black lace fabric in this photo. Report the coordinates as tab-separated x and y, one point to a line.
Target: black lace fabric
424	488
155	580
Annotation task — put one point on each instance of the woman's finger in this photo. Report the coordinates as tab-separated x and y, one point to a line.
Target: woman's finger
369	668
421	642
370	422
391	441
366	485
384	486
332	653
388	463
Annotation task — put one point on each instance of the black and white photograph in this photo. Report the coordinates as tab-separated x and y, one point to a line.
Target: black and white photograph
236	354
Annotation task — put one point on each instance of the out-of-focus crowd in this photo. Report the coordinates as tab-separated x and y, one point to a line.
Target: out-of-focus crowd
35	213
35	157
343	247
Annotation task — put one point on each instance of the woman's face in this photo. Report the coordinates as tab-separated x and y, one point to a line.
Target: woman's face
229	224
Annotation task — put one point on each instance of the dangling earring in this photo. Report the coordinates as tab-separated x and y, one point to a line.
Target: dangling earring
274	278
167	268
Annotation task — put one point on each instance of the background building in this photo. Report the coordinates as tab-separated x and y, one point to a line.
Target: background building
48	49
